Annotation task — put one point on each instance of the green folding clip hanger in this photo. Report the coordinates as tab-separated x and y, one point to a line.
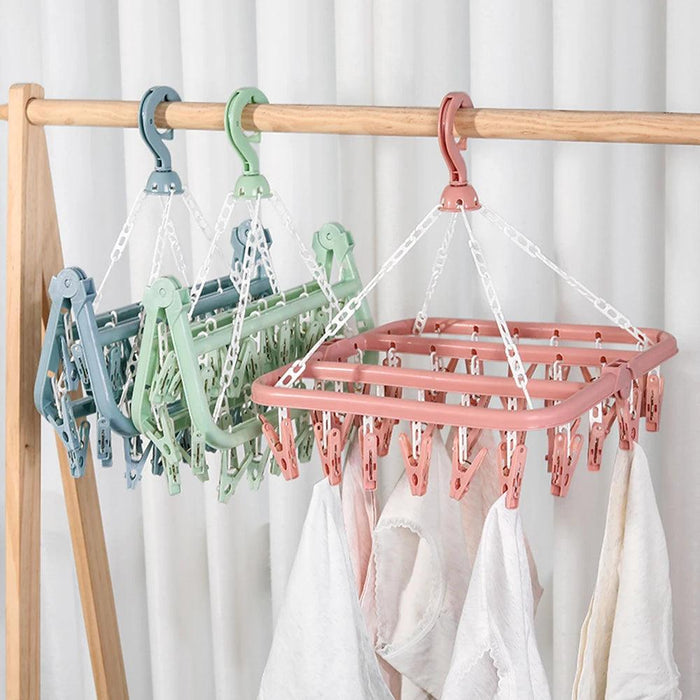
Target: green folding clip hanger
251	184
163	180
199	346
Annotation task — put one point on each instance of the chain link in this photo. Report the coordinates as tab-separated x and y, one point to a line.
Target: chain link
121	242
306	255
534	251
337	323
265	258
438	267
177	251
512	355
249	255
221	223
157	260
201	221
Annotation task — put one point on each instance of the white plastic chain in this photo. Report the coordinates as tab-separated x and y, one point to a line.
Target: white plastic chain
265	259
221	223
157	260
438	267
512	355
198	217
533	250
296	369
249	255
121	242
176	250
306	255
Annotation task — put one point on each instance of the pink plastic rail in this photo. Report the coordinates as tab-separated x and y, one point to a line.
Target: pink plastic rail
609	349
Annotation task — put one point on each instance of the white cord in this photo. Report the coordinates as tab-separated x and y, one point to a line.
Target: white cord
512	355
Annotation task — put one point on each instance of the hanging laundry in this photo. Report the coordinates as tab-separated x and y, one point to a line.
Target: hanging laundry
418	577
495	653
483	492
321	648
360	518
359	514
626	647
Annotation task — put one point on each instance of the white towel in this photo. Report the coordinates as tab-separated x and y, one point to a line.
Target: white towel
495	653
484	491
418	577
321	648
626	648
359	513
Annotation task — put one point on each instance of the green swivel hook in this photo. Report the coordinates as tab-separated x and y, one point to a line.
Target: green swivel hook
251	184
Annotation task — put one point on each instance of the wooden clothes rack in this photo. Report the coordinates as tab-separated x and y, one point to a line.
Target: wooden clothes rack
34	255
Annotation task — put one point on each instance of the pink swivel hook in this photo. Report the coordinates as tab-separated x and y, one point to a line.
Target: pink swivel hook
459	193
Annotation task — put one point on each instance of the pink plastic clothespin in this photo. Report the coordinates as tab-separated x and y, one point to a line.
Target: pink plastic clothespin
282	445
329	441
417	465
512	471
653	398
369	444
601	418
628	414
459	194
463	470
384	427
567	450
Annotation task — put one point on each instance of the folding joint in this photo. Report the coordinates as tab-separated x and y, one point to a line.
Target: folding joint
512	464
463	470
282	445
104	441
417	462
653	398
565	456
135	457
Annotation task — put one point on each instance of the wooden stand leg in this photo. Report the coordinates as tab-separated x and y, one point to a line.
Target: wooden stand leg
33	255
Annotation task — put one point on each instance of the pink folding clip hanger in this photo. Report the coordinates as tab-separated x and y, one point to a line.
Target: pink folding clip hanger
435	371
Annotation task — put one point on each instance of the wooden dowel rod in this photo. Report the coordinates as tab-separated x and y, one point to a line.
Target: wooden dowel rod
550	125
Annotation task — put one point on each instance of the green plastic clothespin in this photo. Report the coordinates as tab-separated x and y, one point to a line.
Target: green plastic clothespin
251	184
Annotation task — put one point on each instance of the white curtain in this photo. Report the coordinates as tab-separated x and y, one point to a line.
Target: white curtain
197	584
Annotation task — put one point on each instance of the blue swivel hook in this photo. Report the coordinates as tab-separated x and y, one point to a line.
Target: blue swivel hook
163	180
